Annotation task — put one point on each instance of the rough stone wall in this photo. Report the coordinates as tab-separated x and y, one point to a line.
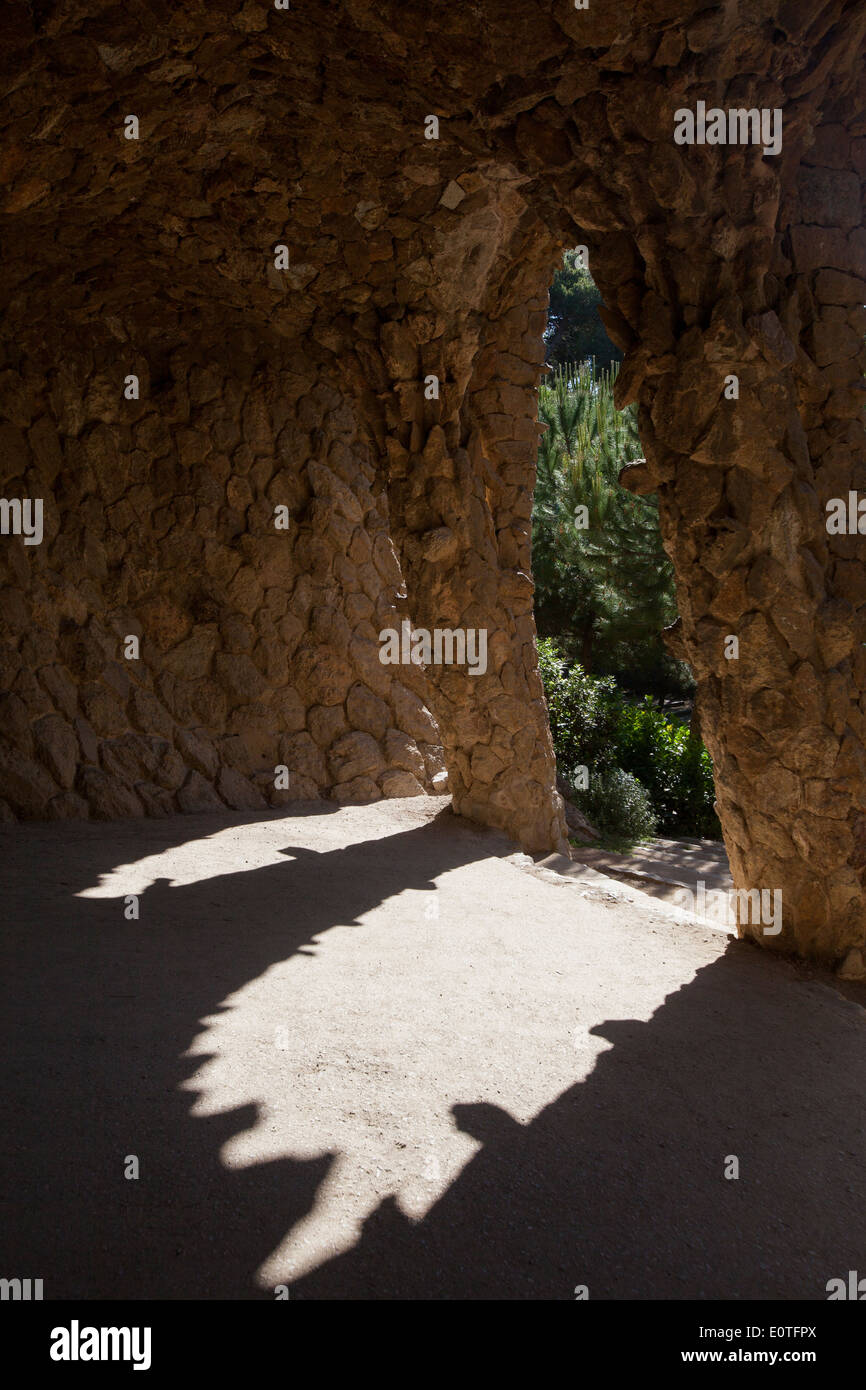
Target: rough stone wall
785	722
772	293
462	470
305	387
257	646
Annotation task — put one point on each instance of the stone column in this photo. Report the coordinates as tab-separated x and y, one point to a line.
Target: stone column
462	474
772	606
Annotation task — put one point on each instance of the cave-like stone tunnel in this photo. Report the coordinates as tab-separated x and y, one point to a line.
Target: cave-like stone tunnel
275	285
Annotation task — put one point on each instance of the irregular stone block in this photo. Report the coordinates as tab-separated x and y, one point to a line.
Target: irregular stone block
366	711
402	752
67	806
27	787
300	755
197	752
357	792
396	784
106	796
198	795
238	791
355	755
57	746
157	801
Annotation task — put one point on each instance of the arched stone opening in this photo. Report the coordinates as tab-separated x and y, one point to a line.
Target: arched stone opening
411	258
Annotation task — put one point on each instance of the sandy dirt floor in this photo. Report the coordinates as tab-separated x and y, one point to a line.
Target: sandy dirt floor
372	1052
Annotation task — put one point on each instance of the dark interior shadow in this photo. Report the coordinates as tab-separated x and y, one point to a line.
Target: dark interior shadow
97	1013
618	1184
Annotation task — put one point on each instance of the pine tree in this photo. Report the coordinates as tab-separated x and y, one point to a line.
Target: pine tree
574	330
603	581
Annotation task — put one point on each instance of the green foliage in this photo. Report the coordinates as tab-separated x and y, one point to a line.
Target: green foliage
604	585
583	710
575	333
604	590
673	765
594	726
617	804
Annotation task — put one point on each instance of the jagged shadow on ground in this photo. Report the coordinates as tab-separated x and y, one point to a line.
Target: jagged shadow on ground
617	1184
98	1013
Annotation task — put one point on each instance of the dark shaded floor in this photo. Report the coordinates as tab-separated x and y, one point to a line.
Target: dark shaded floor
616	1184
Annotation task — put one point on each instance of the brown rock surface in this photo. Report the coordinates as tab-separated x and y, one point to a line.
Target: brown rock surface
302	396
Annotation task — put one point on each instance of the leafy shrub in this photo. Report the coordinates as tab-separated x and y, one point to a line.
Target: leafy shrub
584	711
673	765
617	804
593	726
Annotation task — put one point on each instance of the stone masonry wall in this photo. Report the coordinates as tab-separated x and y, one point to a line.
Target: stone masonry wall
257	646
423	167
